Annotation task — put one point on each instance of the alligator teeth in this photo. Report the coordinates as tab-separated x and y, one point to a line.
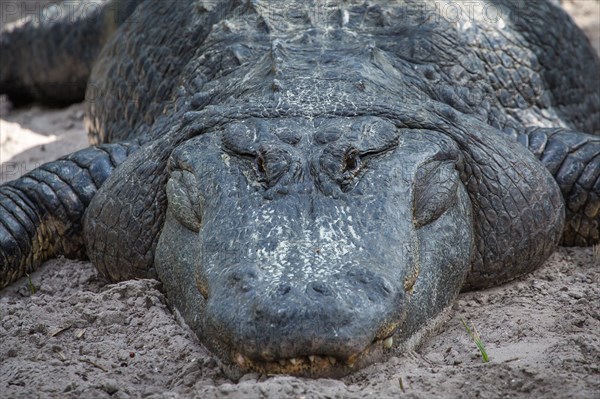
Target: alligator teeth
240	359
388	342
352	359
294	361
332	359
311	358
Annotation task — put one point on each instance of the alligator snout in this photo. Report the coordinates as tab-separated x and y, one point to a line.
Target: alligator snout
278	324
310	256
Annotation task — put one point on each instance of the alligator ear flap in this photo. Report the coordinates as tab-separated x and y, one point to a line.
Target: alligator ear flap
518	211
437	193
182	189
124	219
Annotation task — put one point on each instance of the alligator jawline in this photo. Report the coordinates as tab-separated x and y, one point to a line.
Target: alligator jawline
315	366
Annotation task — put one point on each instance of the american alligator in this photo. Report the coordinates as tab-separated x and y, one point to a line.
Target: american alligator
313	182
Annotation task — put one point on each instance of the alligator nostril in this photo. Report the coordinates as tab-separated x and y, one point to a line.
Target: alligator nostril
358	278
283	289
377	286
244	280
318	289
387	287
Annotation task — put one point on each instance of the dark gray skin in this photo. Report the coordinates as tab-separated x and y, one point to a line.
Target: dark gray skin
314	185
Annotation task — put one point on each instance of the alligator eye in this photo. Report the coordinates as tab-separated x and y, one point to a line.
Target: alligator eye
184	197
351	160
435	191
261	163
271	163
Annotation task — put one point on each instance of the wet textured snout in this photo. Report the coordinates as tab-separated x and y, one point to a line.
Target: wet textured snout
338	317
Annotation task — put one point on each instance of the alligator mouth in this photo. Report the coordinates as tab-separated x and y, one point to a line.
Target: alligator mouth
317	366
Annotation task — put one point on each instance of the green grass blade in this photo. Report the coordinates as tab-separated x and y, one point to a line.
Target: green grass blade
477	339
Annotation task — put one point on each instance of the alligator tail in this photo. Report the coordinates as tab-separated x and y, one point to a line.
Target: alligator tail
52	50
41	213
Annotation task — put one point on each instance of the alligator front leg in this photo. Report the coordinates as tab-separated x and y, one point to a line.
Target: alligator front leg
573	158
41	213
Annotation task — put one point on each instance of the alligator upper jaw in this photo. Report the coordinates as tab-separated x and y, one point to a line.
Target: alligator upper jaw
315	366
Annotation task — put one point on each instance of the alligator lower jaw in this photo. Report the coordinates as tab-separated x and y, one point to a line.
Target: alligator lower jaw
316	366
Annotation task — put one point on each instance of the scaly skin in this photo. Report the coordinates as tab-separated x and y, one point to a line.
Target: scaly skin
42	212
65	43
317	182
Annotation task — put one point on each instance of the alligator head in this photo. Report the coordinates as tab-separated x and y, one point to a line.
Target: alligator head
309	246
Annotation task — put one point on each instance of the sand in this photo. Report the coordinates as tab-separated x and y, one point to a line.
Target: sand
78	336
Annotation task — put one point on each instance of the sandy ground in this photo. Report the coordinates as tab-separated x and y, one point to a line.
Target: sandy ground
79	337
